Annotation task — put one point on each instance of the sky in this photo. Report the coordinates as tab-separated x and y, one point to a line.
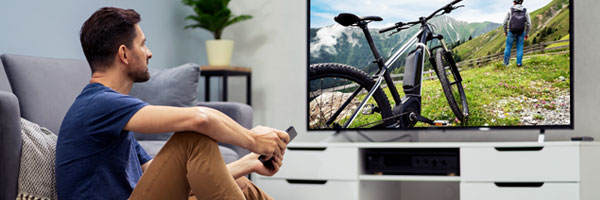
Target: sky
392	11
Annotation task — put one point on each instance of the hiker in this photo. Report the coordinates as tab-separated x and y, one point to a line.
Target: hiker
517	25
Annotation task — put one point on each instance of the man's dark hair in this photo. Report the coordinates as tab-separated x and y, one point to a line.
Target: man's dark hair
103	33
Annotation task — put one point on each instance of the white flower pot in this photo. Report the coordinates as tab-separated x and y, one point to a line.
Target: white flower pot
219	52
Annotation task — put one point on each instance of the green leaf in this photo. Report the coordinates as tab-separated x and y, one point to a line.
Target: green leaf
212	15
238	19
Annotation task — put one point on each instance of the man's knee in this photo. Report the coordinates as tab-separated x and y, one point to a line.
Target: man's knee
194	140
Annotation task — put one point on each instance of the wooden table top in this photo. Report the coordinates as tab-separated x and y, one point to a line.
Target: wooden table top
225	68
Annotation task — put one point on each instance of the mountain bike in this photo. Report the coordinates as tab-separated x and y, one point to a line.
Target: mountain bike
345	97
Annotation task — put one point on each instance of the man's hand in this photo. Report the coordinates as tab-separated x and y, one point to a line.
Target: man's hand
268	141
262	169
250	163
526	36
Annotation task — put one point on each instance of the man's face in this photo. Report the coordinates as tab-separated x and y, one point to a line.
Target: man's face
139	56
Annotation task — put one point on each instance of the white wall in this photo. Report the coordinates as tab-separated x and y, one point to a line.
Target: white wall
51	29
274	44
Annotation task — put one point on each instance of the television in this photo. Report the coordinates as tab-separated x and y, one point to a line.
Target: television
439	64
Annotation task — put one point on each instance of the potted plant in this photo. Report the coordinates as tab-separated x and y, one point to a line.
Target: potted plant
214	16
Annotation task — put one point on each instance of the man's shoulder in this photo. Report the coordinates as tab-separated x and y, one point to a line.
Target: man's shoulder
97	100
101	94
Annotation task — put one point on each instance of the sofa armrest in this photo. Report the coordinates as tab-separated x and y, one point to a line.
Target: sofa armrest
241	113
10	144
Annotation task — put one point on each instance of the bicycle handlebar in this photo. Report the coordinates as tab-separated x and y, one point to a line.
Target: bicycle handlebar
397	25
400	25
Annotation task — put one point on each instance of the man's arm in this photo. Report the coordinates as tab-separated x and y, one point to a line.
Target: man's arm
528	25
210	122
505	24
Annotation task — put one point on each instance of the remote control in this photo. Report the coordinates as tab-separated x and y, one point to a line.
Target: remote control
267	163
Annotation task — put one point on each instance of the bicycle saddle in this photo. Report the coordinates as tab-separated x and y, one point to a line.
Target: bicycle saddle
347	19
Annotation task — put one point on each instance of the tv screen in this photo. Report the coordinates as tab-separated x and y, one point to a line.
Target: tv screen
430	64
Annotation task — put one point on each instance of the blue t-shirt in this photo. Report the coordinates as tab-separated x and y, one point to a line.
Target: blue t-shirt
95	157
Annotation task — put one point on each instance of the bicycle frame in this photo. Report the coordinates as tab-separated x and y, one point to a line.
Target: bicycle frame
420	39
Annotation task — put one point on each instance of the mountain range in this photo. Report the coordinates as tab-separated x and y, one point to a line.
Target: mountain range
339	44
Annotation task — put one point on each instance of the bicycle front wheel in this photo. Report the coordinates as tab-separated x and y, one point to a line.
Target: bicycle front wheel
451	84
335	93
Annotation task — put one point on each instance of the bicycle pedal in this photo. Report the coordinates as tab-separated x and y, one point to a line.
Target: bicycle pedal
440	123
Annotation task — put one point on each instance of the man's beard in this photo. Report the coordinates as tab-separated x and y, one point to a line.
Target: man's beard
139	76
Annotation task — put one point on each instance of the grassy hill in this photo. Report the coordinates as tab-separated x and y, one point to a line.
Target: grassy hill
501	95
549	23
498	95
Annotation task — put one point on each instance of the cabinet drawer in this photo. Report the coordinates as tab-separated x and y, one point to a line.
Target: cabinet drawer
292	189
520	163
516	191
320	163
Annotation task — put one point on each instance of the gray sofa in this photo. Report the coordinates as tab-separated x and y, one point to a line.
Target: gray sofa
42	89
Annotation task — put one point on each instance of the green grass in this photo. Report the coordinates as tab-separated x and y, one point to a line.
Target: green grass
566	37
495	92
495	87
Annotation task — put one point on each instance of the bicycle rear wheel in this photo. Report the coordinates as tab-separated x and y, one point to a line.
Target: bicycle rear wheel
451	84
336	91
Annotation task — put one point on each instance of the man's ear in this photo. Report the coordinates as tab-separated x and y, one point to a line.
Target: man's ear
122	54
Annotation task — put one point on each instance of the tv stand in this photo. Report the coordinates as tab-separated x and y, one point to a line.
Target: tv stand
491	171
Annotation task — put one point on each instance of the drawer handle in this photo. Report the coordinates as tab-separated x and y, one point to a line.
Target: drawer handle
519	184
312	182
519	148
307	148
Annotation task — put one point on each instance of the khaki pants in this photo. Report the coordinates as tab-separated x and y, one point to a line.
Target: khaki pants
192	162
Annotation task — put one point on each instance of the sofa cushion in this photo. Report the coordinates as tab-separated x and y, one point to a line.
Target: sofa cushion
45	87
4	85
176	86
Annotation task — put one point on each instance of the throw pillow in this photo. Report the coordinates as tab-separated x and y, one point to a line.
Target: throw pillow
36	174
176	86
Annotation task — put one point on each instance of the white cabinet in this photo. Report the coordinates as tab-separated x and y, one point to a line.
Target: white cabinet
299	189
510	170
530	163
315	172
529	171
329	163
519	191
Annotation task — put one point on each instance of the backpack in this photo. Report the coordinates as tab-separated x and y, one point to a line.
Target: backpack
517	20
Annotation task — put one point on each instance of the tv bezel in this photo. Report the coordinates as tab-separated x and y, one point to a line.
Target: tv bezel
443	128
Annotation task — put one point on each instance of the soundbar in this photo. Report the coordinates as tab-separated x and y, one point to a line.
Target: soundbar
412	161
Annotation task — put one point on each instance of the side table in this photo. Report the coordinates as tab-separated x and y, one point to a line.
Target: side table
225	72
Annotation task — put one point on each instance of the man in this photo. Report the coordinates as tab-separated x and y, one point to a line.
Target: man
97	156
516	27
